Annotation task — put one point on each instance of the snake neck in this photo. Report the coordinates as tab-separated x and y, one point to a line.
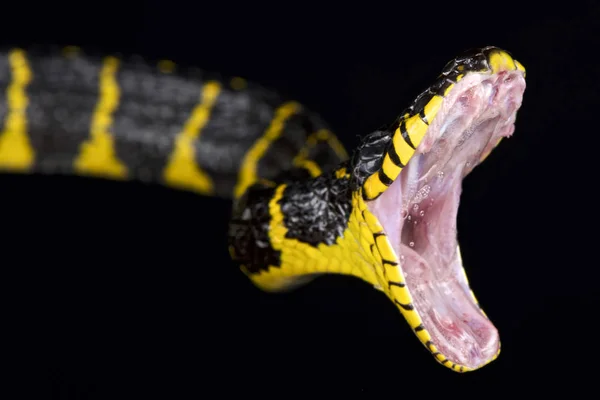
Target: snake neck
285	234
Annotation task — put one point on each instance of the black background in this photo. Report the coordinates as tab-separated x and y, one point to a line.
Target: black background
167	314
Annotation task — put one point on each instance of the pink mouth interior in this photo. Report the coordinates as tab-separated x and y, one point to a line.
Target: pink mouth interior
419	210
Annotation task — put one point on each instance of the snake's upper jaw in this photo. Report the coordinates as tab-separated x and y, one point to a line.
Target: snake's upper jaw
418	212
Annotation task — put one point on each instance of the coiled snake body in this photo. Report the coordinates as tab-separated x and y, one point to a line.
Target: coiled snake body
301	206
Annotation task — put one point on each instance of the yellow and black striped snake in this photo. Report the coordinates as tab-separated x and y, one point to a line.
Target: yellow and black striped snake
302	207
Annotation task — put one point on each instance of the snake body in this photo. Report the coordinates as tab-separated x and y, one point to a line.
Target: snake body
301	205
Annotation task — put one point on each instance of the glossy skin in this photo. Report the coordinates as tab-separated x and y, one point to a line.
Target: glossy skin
341	233
300	205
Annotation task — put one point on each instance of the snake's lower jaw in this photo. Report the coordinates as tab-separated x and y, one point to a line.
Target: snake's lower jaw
479	111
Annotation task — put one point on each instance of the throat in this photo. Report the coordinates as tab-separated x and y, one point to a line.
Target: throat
433	271
424	236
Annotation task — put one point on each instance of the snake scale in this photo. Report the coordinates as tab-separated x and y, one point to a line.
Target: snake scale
302	206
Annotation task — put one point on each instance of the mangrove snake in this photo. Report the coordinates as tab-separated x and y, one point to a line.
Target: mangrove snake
301	206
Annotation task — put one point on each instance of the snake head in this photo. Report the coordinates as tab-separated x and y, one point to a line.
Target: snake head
409	177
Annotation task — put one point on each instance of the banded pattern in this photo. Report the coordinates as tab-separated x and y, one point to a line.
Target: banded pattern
300	205
182	170
97	156
355	243
348	244
313	147
15	150
126	119
248	172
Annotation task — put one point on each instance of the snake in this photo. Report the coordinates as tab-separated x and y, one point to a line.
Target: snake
301	205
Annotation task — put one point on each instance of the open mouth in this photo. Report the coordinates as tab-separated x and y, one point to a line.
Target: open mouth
418	212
